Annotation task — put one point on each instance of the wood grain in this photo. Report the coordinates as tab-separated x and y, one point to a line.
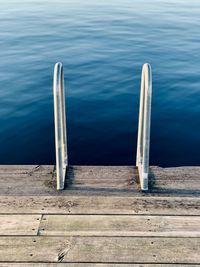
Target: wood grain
69	264
101	218
100	205
101	180
19	224
100	249
120	225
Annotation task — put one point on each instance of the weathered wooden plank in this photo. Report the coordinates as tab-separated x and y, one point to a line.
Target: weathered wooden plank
128	187
120	173
100	249
25	169
97	180
100	205
42	185
175	173
69	264
107	172
176	187
19	180
38	182
126	172
19	224
120	225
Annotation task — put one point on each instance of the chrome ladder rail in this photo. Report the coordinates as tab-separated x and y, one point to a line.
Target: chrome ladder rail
143	142
60	125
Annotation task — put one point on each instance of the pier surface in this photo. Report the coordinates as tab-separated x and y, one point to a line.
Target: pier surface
101	219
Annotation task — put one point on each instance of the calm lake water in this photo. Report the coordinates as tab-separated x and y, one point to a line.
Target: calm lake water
102	45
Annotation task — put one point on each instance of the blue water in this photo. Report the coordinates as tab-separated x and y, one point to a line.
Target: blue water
102	45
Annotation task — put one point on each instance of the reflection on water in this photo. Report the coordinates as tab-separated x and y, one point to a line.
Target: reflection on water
102	45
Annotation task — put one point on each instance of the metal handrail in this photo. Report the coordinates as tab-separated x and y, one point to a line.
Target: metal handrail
143	142
60	125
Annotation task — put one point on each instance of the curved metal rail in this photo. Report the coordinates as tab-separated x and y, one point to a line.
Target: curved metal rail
143	143
60	125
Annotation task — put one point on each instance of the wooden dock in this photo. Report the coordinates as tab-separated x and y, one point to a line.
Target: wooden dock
101	218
